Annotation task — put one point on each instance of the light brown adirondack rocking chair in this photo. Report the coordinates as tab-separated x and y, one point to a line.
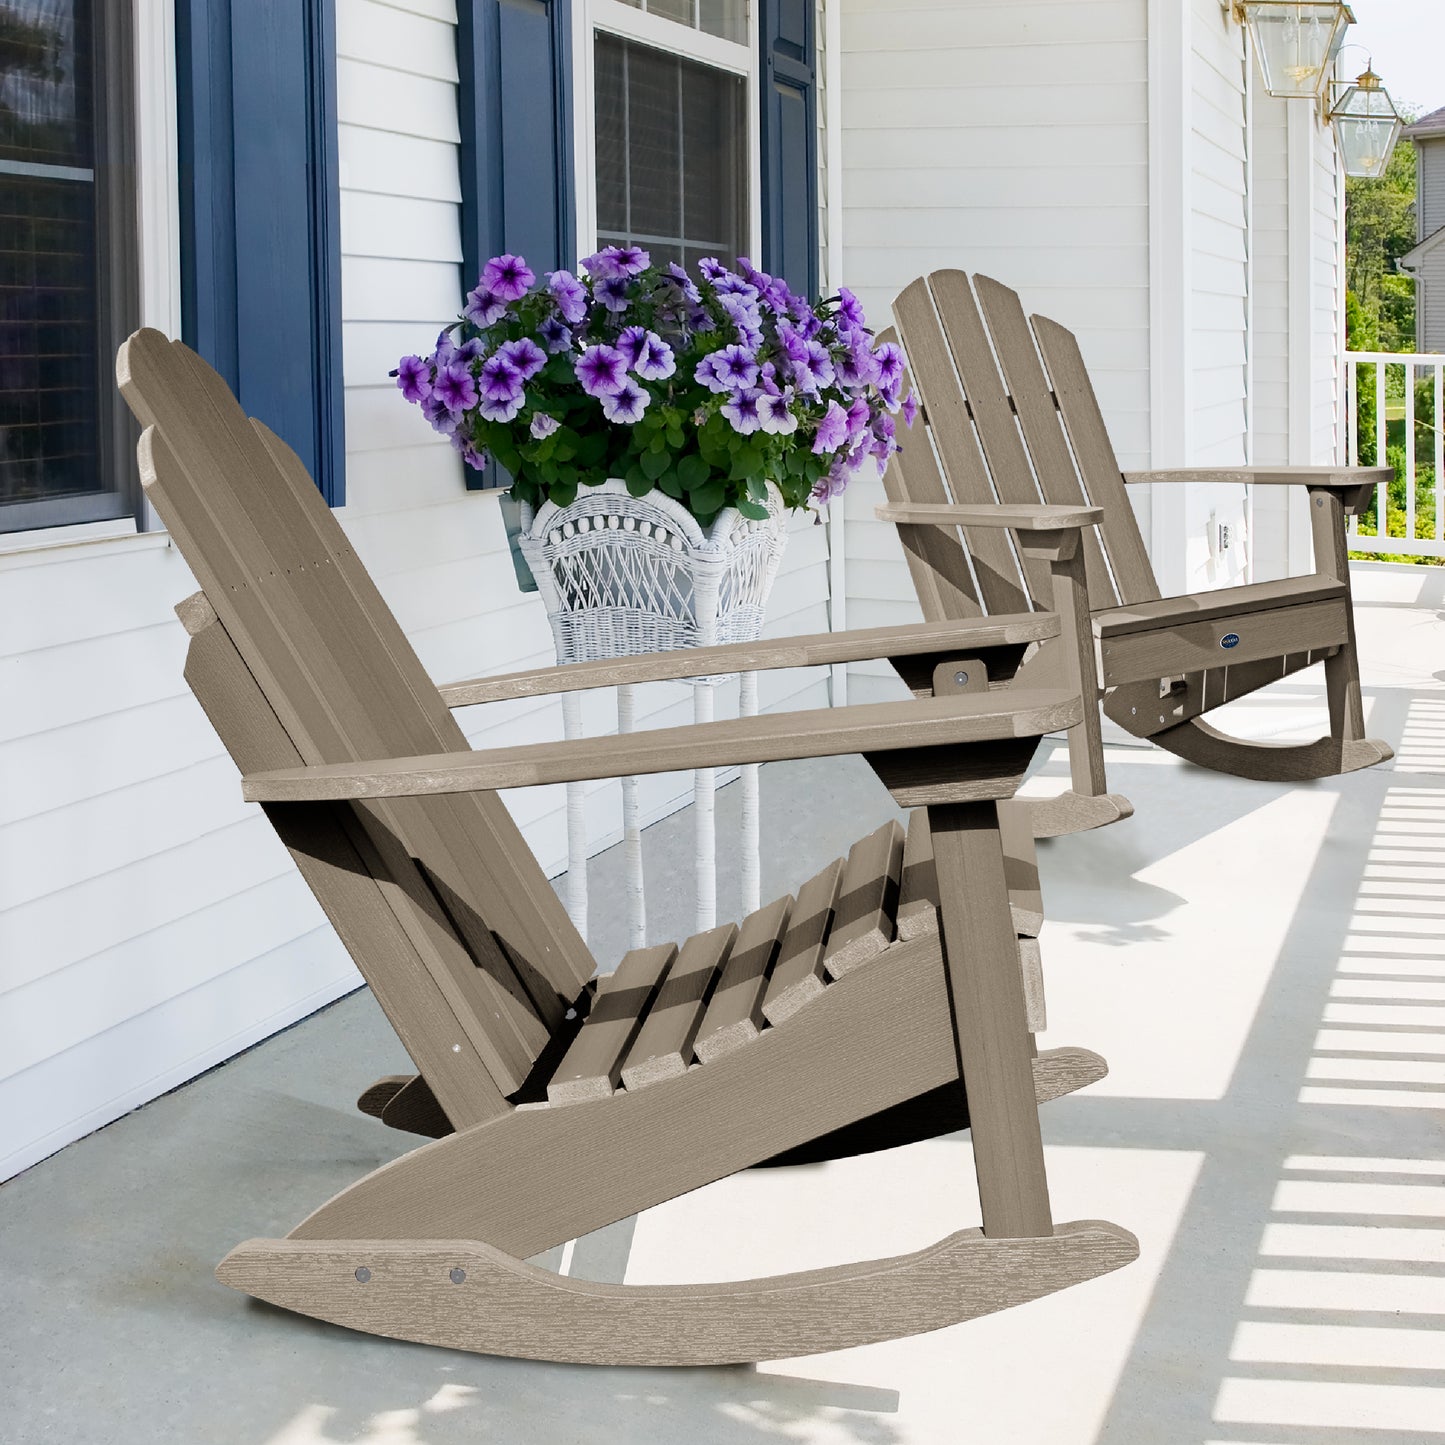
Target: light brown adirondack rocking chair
835	1022
1019	449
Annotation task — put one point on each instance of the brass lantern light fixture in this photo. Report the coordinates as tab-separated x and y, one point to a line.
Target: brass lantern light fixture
1296	42
1367	125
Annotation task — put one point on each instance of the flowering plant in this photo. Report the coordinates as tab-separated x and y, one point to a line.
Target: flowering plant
707	388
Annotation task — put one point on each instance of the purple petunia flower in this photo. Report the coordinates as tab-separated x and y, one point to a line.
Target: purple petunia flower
602	370
525	355
730	285
434	409
831	483
500	408
741	412
617	261
889	360
860	417
684	282
775	413
556	334
568	292
700	320
455	387
614	292
472	350
832	431
508	277
469	453
814	370
500	380
446	348
711	269
544	425
850	311
745	318
910	409
885	437
413	377
484	307
857	366
626	404
732	369
647	353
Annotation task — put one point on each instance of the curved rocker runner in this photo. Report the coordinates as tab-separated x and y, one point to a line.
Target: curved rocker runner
893	998
1020	501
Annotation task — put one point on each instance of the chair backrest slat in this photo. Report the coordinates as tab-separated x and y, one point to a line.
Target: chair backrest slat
936	558
346	685
988	404
1033	403
951	429
1099	467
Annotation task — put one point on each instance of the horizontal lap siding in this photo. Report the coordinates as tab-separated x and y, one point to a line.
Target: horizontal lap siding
1325	320
1010	140
1218	243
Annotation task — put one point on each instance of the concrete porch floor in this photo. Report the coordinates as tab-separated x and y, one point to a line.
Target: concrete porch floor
1264	969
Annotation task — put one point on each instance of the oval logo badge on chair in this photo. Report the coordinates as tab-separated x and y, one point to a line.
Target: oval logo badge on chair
1230	639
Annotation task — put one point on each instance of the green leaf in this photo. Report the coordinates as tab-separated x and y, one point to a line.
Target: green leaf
757	489
669	483
656	461
693	471
753	510
709	499
639	484
796	461
747	462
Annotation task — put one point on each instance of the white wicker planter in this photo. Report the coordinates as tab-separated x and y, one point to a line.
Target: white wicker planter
621	575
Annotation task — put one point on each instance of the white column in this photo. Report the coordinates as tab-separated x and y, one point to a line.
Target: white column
632	834
751	840
704	786
576	821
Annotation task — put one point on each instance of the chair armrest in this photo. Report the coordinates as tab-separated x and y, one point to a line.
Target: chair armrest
816	650
822	732
1358	480
1019	515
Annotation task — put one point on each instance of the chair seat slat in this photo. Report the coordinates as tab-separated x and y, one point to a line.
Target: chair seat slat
592	1067
863	918
735	1014
798	974
663	1047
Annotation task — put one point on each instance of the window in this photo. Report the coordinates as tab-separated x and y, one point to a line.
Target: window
673	135
68	283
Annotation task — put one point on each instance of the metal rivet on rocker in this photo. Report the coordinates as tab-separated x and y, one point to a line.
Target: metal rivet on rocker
458	1276
362	1275
960	678
1319	501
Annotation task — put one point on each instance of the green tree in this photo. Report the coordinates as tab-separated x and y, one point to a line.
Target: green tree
1379	229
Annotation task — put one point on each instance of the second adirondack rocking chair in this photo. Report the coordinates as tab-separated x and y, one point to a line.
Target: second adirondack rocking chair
1010	493
884	1003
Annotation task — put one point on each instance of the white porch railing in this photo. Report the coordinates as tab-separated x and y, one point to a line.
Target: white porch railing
1409	434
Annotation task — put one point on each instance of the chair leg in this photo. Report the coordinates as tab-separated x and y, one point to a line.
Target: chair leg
1342	671
1088	803
990	1024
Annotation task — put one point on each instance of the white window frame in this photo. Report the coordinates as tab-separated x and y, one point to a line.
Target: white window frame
674	38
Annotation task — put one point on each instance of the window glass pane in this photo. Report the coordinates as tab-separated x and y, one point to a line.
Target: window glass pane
727	19
671	153
52	334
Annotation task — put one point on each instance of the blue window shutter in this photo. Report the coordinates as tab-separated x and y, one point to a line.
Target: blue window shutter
788	30
514	58
260	214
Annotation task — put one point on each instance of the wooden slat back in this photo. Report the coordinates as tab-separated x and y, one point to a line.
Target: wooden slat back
1098	466
936	558
1038	420
347	686
961	461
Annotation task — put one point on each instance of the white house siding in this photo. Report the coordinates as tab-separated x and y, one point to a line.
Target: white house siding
1217	257
1326	299
150	924
1007	139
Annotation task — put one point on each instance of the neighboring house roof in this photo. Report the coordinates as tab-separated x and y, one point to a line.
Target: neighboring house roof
1428	125
1413	257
